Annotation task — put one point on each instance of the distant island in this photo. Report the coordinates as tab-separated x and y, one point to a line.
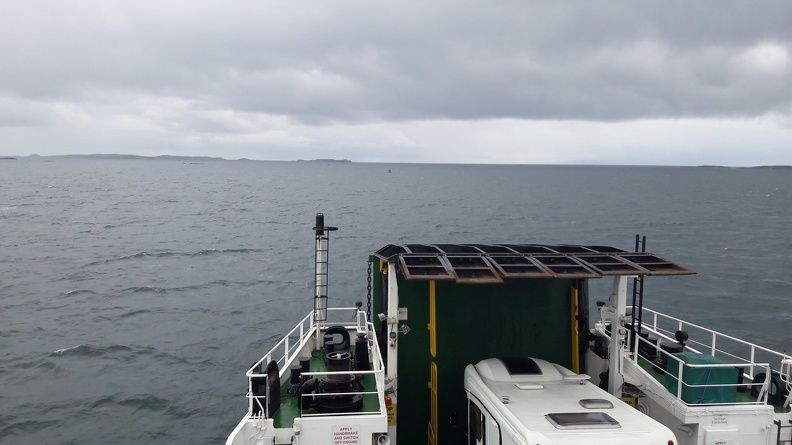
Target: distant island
190	159
123	156
323	160
760	167
774	167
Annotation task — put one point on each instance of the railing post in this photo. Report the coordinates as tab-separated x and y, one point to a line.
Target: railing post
714	336
250	391
267	399
311	327
679	381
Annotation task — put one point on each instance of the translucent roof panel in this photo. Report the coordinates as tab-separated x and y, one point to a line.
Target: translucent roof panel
490	263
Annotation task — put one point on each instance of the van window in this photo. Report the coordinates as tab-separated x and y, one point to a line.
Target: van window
476	427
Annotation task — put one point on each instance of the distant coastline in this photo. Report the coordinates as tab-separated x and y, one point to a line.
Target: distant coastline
125	156
203	159
760	167
190	159
773	167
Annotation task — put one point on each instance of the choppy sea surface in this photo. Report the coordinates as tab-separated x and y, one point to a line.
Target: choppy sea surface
135	293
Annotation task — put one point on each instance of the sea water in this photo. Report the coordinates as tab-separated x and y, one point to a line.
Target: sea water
134	294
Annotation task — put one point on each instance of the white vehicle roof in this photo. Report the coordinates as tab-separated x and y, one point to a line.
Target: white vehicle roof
536	397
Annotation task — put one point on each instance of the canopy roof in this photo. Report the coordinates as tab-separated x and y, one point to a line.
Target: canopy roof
489	263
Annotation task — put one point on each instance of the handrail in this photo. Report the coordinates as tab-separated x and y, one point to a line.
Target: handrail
306	328
714	337
746	361
284	342
285	352
377	392
682	365
680	381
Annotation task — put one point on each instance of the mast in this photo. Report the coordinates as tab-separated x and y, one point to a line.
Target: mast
320	269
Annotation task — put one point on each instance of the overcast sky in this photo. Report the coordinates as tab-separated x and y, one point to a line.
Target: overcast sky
628	82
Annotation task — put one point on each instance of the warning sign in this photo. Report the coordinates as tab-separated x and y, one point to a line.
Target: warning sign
346	435
391	410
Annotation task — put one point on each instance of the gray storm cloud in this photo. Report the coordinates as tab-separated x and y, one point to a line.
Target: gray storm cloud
174	69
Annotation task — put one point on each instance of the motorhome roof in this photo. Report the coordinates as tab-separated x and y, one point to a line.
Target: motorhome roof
560	407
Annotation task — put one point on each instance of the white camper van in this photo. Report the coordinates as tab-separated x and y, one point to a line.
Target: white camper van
524	401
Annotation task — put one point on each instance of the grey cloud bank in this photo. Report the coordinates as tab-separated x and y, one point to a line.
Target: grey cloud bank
484	82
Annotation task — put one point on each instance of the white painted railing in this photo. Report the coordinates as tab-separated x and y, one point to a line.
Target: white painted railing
286	350
732	352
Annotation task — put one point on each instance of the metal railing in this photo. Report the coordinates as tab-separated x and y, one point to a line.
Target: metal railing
289	347
730	351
